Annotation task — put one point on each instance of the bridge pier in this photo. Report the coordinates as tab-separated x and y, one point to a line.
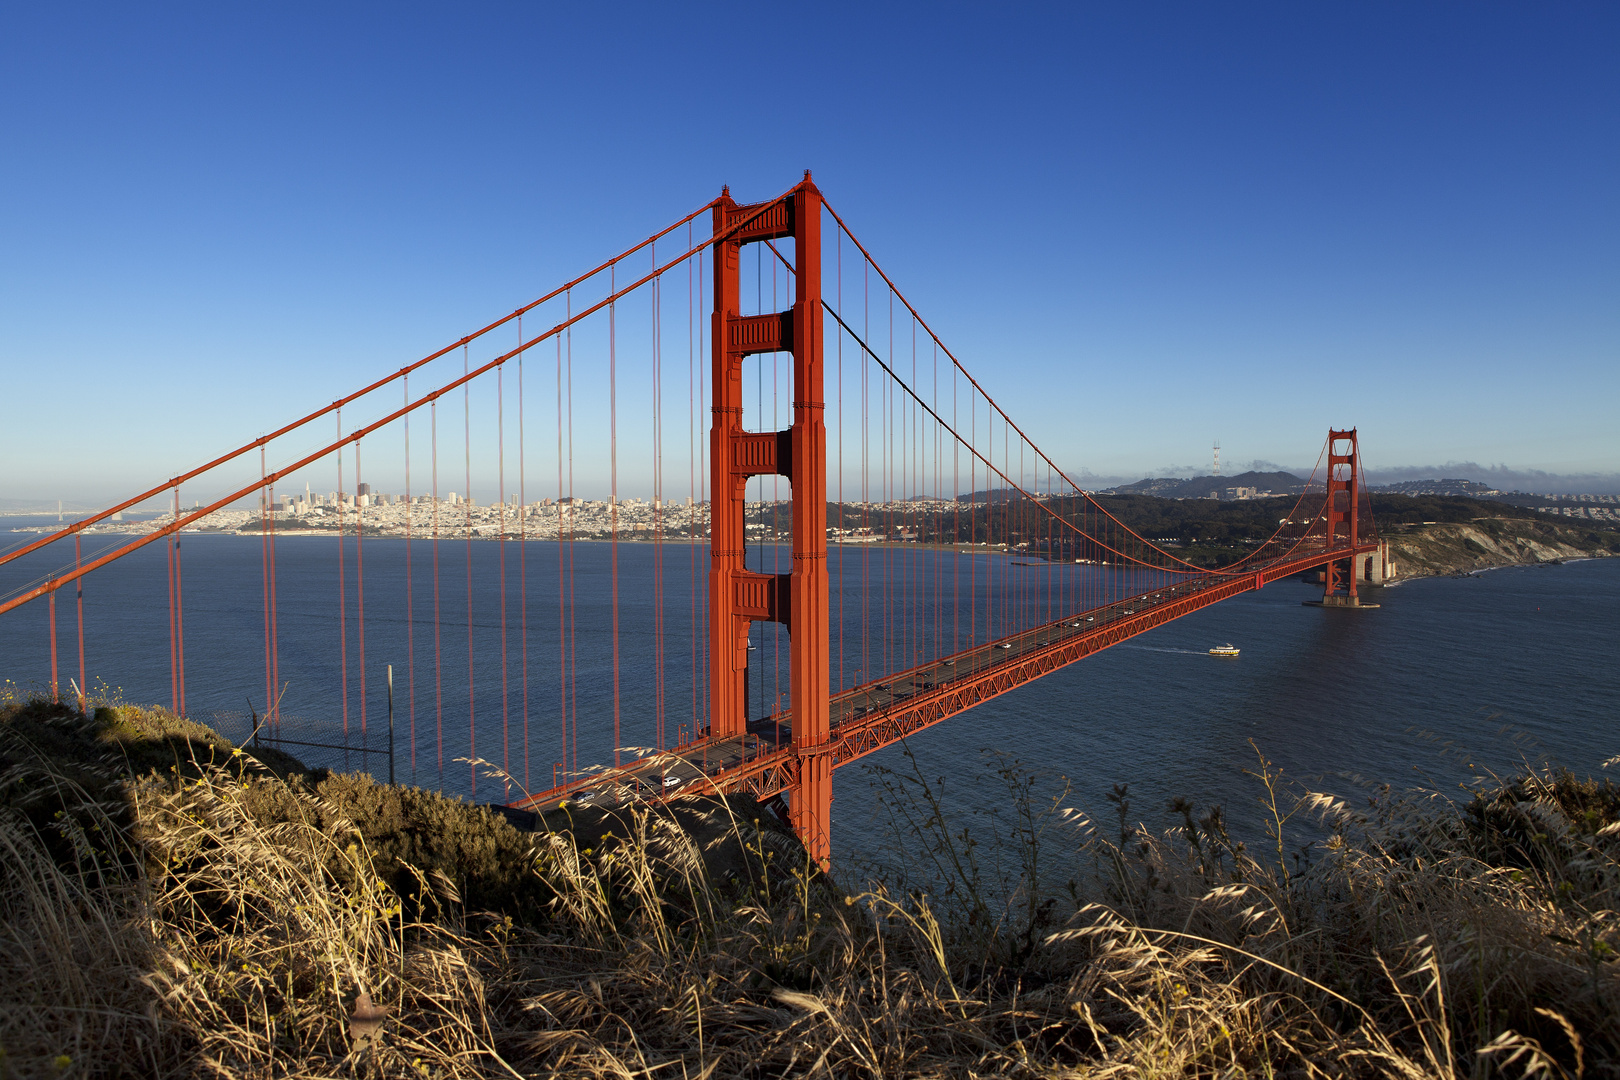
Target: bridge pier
1340	601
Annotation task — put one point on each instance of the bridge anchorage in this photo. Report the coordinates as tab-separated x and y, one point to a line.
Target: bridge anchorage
933	556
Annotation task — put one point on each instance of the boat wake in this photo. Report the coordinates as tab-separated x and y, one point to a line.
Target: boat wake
1150	648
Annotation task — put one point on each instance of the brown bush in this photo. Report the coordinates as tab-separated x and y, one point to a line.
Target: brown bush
1421	938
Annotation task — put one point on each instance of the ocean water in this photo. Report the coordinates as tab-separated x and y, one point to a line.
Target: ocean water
1447	676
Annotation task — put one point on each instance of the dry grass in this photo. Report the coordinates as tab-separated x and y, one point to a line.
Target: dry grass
186	930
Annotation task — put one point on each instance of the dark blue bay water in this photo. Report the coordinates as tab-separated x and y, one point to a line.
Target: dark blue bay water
1332	697
1413	693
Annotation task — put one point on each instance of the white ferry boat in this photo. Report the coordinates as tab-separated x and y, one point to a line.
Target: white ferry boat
1225	650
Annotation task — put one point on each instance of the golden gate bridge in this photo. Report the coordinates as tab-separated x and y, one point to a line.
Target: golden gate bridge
932	556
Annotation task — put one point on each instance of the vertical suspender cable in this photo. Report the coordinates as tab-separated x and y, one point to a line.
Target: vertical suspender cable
410	607
563	509
360	591
691	482
701	646
866	474
438	653
523	569
973	520
179	607
893	608
613	498
842	550
467	500
343	594
264	586
658	584
919	490
658	508
500	550
51	608
174	650
573	605
919	590
78	596
274	705
907	558
562	637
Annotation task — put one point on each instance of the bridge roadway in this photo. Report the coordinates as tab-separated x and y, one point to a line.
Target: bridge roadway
866	718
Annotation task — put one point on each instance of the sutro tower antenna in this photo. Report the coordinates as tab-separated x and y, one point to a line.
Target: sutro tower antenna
1217	457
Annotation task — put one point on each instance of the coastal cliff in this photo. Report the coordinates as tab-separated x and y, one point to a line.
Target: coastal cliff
1428	550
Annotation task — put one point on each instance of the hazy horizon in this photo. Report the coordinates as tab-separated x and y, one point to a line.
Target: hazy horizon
1501	477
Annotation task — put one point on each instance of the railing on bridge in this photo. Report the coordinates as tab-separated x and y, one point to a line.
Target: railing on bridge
866	543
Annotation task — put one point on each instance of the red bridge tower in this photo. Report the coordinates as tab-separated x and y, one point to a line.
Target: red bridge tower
737	595
1343	519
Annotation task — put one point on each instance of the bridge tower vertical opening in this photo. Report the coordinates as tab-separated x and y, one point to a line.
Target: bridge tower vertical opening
738	596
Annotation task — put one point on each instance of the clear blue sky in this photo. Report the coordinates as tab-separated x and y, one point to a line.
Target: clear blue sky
1144	226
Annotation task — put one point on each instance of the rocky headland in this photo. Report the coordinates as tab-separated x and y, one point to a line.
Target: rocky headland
1437	548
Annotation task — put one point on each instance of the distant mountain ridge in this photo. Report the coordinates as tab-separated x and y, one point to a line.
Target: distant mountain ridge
1172	487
